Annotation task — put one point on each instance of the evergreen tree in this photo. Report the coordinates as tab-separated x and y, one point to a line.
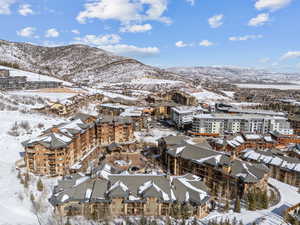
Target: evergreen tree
226	207
194	221
143	220
40	185
25	181
265	200
68	222
32	198
251	201
168	221
237	205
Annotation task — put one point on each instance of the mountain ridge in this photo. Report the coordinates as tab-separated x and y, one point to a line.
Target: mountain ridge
77	63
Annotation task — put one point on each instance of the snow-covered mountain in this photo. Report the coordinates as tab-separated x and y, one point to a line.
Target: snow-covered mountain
235	74
76	63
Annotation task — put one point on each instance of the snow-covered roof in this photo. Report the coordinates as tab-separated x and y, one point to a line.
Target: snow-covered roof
270	158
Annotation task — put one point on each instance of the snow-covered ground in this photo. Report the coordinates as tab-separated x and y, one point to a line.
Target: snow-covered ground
208	96
155	81
153	135
49	95
32	76
271	216
270	86
15	206
229	94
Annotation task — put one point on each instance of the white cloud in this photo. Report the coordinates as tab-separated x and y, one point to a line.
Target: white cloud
52	33
27	32
5	6
271	4
136	28
216	21
131	50
206	43
259	20
245	38
25	10
181	44
192	2
125	11
291	55
94	40
75	31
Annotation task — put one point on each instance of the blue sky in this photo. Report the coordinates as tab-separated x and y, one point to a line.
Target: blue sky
246	33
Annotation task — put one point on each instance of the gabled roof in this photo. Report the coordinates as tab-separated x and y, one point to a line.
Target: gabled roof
272	158
188	188
61	137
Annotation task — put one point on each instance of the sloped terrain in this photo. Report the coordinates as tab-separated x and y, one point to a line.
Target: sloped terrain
76	63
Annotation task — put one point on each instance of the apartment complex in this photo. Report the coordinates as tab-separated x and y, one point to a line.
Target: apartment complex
71	105
55	151
223	174
282	167
237	143
112	129
218	124
8	82
131	195
182	116
69	146
182	97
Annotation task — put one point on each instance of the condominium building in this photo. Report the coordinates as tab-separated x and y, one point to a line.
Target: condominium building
56	150
220	172
114	129
183	115
68	147
131	195
226	123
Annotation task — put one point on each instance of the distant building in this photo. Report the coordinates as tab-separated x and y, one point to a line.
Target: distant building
233	110
218	124
283	168
131	195
237	143
4	73
182	97
8	82
183	115
115	129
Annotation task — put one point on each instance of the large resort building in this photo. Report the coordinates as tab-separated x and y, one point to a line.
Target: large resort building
282	167
68	146
130	195
219	124
222	173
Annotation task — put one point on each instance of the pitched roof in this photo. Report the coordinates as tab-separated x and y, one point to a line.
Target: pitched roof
132	188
